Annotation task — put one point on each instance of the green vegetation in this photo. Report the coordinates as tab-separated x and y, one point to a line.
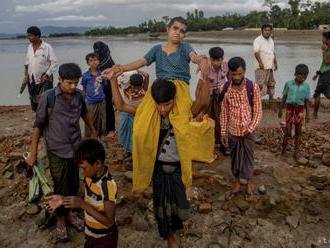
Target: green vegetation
299	15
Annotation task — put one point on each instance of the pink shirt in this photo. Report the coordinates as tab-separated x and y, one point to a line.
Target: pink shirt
217	77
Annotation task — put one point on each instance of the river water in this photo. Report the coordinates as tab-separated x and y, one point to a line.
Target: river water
12	55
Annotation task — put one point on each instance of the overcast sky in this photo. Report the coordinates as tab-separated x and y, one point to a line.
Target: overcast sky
17	15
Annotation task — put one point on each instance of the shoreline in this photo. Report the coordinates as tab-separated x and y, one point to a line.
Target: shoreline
301	37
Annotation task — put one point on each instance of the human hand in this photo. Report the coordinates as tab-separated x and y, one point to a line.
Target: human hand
205	68
324	47
73	202
315	77
275	67
44	78
246	132
224	140
261	65
53	202
31	159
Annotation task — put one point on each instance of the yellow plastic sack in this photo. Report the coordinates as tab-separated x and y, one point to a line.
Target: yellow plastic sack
194	141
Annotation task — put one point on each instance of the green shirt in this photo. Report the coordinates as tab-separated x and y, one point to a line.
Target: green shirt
325	67
296	94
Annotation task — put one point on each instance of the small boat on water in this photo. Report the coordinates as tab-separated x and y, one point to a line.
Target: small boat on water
154	35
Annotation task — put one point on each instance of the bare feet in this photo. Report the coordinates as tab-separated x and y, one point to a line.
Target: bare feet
236	189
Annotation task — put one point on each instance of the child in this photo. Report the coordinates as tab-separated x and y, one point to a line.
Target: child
132	86
217	78
296	95
100	192
57	120
173	58
241	113
157	146
95	97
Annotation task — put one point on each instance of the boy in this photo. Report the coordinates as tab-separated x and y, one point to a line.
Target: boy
133	87
57	120
241	113
95	97
156	149
217	78
323	84
173	58
296	95
100	192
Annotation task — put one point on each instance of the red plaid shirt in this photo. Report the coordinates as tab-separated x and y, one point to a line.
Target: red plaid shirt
236	111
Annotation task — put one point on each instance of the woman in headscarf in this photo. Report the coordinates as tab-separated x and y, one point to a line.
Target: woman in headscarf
106	61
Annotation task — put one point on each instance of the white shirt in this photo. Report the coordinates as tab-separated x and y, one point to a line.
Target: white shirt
265	47
41	61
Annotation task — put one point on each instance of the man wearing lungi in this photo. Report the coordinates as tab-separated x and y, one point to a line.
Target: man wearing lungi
241	113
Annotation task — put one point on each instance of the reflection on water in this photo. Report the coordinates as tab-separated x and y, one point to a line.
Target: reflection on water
12	54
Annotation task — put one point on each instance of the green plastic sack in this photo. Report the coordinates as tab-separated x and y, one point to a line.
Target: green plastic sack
44	183
34	189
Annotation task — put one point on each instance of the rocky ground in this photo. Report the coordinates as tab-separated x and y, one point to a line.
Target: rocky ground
292	208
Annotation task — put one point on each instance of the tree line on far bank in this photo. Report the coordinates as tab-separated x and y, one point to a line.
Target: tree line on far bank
299	15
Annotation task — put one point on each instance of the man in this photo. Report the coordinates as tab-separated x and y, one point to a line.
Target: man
40	65
265	62
57	120
241	113
323	84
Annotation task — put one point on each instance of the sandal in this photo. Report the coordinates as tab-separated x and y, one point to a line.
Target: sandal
61	235
77	223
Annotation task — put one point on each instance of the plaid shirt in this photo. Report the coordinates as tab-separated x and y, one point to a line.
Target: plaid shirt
236	112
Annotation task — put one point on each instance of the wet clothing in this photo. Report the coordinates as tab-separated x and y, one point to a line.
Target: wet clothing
125	130
65	175
97	191
296	94
60	124
265	79
35	90
93	86
172	66
294	116
323	85
106	61
97	114
171	206
242	155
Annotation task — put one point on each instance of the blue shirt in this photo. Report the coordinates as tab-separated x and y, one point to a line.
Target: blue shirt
173	66
296	94
94	88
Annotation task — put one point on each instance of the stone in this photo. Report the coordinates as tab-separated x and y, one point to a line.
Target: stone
302	161
208	173
326	159
312	219
150	218
263	222
129	175
262	189
265	205
292	221
241	204
8	175
317	155
296	188
141	225
205	208
32	209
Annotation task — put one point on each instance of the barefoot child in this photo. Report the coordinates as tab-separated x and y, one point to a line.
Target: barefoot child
161	149
296	95
95	98
100	193
241	113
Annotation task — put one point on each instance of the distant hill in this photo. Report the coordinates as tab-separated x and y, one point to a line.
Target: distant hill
47	30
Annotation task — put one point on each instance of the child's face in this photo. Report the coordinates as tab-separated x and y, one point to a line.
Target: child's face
216	63
93	62
88	169
176	32
68	86
165	108
136	88
300	78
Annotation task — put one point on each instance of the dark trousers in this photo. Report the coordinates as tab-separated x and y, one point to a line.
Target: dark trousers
109	241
